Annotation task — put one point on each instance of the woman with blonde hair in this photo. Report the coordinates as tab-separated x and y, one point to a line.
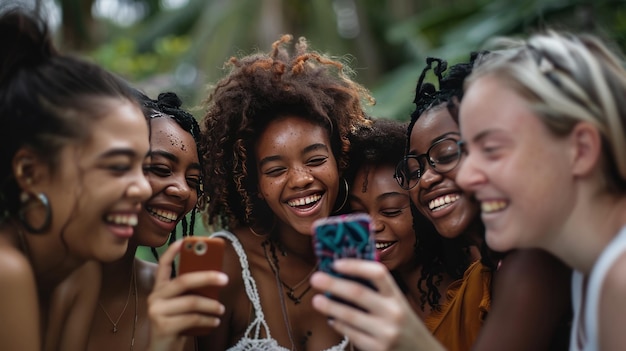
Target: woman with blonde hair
544	129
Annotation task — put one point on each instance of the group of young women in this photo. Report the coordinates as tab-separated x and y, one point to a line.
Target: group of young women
509	175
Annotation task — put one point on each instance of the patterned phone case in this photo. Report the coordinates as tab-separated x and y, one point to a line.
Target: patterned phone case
344	236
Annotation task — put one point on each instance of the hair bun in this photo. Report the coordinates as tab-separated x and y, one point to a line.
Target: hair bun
25	40
169	100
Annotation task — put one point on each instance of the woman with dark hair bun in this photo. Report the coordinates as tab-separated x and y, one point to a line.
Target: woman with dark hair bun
73	146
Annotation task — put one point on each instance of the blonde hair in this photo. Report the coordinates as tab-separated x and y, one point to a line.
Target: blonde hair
568	79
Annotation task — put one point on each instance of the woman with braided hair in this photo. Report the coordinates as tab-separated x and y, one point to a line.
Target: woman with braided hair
175	175
513	301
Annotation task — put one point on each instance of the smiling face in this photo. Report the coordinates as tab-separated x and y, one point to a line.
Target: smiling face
97	191
297	172
388	205
437	196
174	175
518	170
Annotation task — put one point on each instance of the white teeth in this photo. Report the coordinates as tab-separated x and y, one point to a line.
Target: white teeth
443	200
492	206
163	215
382	246
304	200
123	219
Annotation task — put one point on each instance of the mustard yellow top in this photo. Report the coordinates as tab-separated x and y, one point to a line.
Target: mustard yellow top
457	324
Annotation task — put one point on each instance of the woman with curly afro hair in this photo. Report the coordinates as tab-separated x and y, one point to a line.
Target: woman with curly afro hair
276	144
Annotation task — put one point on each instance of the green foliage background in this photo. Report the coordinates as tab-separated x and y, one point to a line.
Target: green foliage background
183	50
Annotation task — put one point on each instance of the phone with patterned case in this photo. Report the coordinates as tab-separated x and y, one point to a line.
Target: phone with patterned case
344	236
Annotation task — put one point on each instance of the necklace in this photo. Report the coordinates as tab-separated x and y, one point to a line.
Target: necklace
290	290
132	340
130	287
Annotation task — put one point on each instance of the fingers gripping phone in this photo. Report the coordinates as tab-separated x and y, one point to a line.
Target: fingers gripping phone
344	236
201	254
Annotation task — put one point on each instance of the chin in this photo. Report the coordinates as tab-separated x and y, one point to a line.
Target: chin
497	242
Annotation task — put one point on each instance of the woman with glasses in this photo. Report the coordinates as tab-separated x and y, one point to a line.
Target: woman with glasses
513	301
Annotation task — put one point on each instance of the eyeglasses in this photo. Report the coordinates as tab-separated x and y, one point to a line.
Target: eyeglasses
442	156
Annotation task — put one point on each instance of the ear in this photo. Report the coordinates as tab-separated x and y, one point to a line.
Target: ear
28	170
587	148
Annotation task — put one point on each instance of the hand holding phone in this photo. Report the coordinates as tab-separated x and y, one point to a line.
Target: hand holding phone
344	236
201	254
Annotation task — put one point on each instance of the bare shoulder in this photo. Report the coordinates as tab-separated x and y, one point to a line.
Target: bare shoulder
615	280
612	310
146	274
14	266
18	299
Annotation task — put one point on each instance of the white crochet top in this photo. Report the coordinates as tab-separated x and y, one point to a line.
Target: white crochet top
252	340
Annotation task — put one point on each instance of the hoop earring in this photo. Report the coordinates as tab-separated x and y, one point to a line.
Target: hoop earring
345	198
266	232
26	197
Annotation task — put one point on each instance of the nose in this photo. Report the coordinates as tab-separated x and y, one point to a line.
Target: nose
178	188
430	177
300	177
469	176
377	225
140	189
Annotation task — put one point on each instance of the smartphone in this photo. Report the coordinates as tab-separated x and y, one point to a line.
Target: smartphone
200	253
344	236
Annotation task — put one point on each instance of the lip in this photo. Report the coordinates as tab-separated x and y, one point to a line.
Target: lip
119	230
383	253
445	209
159	221
305	212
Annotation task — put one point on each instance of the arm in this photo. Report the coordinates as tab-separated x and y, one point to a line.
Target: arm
171	310
389	324
20	319
531	296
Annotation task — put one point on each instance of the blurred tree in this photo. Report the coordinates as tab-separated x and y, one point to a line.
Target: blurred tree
385	42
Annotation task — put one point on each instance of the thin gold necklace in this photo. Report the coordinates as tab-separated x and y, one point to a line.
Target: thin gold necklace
132	340
130	288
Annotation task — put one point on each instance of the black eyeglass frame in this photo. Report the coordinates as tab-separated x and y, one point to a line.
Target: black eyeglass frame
402	171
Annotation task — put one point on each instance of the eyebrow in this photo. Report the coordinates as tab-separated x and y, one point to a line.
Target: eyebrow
121	152
170	156
441	137
482	135
312	147
391	194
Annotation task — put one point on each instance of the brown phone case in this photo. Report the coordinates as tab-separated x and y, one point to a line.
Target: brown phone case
201	254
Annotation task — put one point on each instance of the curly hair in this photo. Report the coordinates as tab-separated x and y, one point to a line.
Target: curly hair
382	142
258	89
